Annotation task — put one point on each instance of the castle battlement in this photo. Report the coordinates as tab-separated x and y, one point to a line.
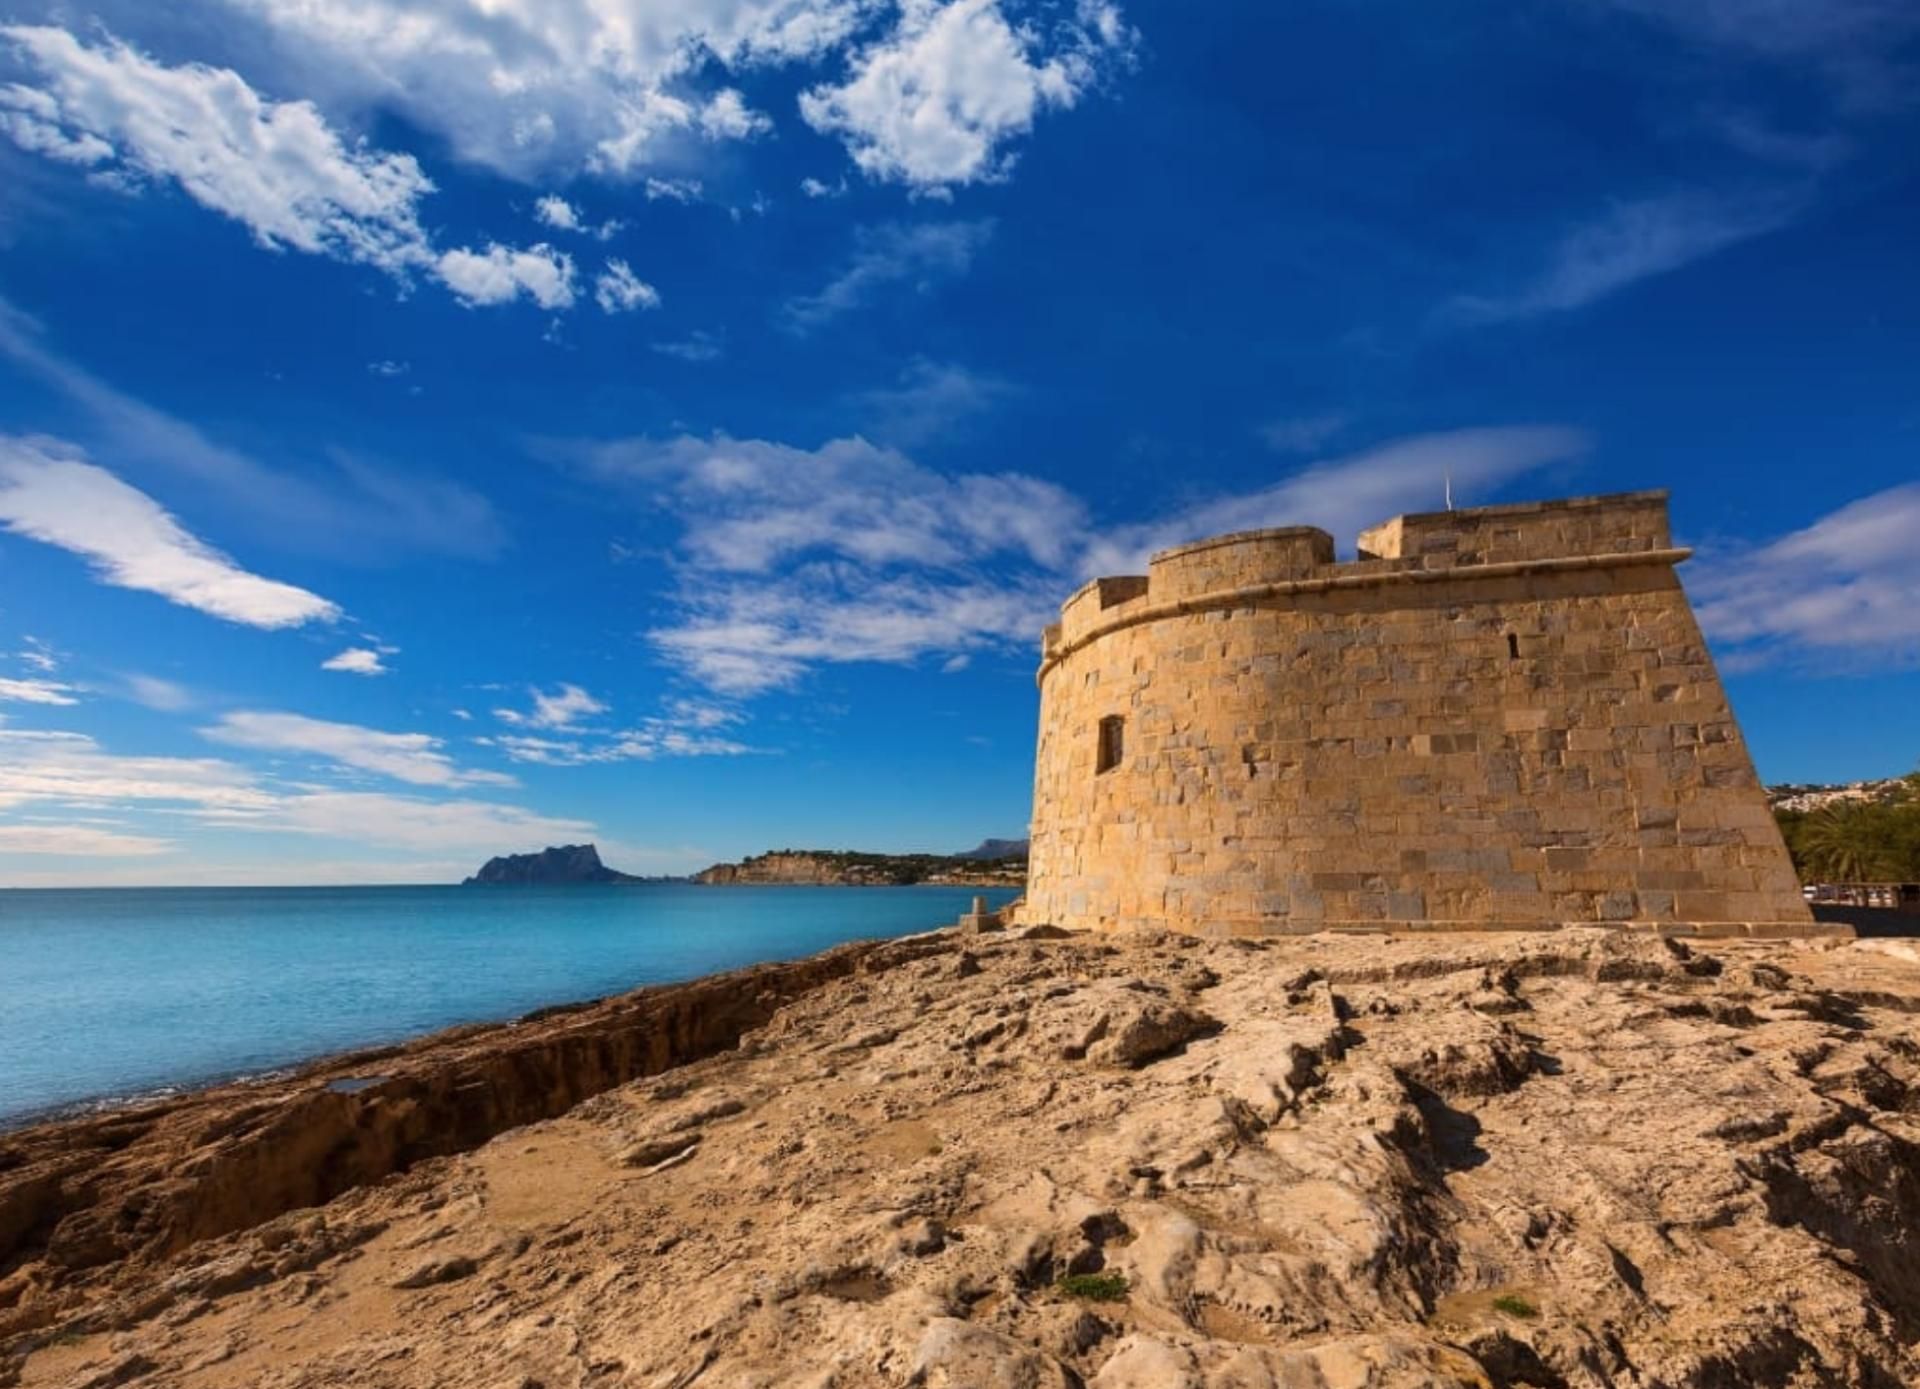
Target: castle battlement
1624	528
1504	716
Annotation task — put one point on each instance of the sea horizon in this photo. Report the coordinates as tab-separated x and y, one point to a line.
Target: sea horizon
686	880
114	996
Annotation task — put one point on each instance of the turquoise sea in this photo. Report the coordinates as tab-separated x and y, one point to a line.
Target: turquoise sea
107	995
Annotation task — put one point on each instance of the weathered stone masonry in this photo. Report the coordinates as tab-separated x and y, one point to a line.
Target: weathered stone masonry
1503	717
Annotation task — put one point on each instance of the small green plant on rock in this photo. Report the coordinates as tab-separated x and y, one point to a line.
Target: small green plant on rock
1094	1287
1515	1306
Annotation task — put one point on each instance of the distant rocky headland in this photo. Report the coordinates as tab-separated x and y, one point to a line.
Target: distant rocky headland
846	868
991	863
565	864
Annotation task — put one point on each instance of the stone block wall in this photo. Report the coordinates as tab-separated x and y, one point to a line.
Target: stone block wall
1504	717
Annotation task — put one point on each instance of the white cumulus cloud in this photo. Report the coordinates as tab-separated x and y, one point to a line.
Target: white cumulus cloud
935	101
50	492
529	85
276	167
558	213
619	290
930	93
357	660
501	274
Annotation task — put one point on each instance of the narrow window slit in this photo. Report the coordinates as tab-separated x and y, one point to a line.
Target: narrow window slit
1513	647
1112	746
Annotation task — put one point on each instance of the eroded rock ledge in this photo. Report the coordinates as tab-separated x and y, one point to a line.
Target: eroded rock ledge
1576	1159
81	1200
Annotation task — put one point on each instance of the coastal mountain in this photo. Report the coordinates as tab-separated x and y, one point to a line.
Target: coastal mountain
996	849
846	868
566	864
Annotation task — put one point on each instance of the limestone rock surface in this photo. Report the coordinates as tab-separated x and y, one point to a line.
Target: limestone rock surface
1579	1159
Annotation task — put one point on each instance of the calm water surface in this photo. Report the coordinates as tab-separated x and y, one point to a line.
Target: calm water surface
112	994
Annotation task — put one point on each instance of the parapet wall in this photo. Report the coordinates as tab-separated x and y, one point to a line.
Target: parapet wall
1497	717
1623	523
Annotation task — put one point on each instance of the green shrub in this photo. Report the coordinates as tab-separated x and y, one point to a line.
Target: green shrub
1515	1306
1094	1287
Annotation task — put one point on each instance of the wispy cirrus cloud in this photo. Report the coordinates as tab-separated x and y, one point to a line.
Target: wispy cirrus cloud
793	558
58	775
698	346
415	758
931	400
563	707
1630	242
1837	594
73	771
752	504
156	692
38	655
561	731
37	691
1302	433
1862	49
916	255
49	492
651	741
419	823
79	841
1345	495
359	508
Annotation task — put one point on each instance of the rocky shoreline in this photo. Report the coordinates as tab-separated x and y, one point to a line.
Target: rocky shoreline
1573	1158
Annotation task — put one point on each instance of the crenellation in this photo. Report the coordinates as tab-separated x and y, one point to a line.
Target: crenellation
1493	717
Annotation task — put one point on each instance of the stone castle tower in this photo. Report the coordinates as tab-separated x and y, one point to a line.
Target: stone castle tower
1502	717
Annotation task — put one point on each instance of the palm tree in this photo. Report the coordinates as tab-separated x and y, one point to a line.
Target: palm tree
1846	844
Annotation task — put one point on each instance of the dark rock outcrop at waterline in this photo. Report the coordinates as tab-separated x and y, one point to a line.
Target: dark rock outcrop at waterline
564	865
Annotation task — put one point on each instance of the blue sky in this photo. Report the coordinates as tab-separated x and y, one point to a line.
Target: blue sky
431	429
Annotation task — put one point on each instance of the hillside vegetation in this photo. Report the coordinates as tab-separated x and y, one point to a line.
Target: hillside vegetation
1875	840
841	867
